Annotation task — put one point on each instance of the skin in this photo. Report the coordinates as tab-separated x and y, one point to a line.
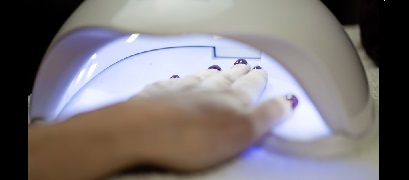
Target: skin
185	129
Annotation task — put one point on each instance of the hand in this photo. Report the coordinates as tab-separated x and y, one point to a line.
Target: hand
188	123
203	119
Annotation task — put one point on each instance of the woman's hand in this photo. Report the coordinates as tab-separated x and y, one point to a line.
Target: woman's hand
187	123
200	120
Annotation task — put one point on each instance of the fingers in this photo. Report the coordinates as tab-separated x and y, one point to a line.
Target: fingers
212	70
195	79
271	112
175	83
250	86
224	79
245	84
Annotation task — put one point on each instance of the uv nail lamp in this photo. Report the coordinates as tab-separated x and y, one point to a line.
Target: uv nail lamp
108	51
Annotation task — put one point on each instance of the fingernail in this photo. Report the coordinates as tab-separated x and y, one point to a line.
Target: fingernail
293	99
240	61
174	76
215	67
257	67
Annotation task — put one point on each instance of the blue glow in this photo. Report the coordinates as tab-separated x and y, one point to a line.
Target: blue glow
250	152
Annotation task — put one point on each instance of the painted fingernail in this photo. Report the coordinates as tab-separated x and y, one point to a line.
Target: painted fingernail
174	76
293	99
240	61
257	67
215	67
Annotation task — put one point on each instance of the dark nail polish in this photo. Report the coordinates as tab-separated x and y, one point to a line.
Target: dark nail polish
174	76
240	61
215	67
293	99
257	67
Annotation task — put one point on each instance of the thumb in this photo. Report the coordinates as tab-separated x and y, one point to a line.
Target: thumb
271	112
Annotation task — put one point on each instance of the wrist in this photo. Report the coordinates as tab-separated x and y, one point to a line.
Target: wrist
119	128
107	134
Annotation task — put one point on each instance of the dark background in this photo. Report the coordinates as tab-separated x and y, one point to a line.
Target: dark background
49	16
346	11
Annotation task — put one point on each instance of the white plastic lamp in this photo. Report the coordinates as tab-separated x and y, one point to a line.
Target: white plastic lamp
109	50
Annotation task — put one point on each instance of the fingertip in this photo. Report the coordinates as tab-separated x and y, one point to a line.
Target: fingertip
242	67
259	71
270	113
217	67
240	61
257	67
292	99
